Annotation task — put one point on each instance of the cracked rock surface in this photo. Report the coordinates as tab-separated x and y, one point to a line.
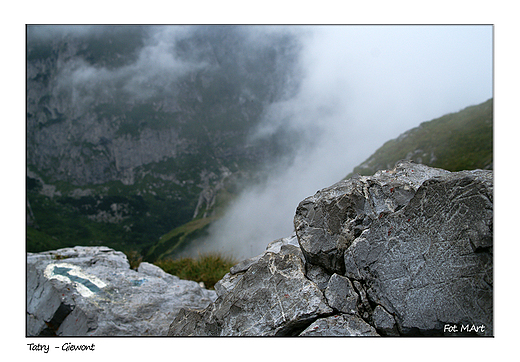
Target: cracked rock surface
273	298
403	252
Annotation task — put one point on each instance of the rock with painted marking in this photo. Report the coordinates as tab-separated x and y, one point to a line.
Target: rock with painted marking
86	291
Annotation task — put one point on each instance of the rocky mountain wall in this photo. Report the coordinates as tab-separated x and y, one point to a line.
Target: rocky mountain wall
97	112
157	119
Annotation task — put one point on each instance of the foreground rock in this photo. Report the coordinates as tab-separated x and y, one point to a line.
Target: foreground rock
403	252
272	298
91	291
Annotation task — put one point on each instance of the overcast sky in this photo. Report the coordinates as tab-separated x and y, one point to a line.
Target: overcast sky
363	86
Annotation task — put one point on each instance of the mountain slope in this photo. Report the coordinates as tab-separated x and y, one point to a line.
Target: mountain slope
455	142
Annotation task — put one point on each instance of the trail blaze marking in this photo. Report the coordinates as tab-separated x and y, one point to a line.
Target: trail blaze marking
86	285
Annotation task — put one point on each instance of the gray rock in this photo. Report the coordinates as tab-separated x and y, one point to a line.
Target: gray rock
244	265
431	263
273	298
276	246
341	295
384	322
342	325
365	309
283	246
403	252
327	223
318	275
227	283
91	291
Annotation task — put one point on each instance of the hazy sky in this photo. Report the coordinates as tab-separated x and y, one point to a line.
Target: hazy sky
363	85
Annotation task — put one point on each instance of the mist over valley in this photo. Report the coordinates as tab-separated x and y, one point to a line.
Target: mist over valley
174	140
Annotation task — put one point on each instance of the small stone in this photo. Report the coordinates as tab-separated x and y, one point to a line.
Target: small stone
384	322
340	326
341	296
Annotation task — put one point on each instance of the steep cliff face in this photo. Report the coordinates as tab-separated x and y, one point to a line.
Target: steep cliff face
157	118
87	122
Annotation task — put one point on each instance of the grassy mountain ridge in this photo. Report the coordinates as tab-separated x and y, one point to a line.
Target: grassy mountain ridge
456	141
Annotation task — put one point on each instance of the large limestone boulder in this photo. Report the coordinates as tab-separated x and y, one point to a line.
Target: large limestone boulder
328	222
431	263
91	291
407	251
273	298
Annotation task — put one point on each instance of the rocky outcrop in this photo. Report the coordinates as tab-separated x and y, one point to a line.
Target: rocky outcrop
91	291
273	298
406	251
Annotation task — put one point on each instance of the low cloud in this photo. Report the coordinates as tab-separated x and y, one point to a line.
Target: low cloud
155	70
362	86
